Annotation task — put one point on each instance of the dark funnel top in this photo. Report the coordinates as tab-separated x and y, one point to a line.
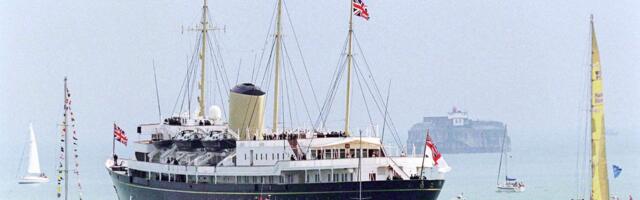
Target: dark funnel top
247	89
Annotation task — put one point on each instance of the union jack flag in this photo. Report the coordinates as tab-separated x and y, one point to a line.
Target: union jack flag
119	134
360	10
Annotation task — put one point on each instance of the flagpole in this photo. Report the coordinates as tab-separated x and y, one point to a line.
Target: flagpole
424	154
350	58
113	143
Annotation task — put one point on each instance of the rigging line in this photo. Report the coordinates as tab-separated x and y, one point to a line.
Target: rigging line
304	63
253	66
266	76
385	114
355	67
330	91
586	108
369	70
218	72
268	65
332	94
192	84
386	111
238	72
286	89
191	71
155	80
395	137
266	42
185	81
299	87
504	138
291	92
334	90
282	98
219	60
21	159
218	63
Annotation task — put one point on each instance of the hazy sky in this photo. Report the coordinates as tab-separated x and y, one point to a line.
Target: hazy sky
521	62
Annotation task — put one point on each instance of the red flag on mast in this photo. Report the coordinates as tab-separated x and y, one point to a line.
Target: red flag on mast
435	155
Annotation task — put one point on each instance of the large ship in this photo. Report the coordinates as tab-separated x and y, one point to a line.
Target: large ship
198	155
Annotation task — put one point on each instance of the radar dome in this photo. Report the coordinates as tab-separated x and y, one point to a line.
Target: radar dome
215	113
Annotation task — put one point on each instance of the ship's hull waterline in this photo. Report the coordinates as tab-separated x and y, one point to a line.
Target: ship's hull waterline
135	188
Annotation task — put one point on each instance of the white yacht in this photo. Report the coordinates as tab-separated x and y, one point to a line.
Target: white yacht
34	174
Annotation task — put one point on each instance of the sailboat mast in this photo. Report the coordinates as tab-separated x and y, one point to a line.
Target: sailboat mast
66	139
599	176
504	138
204	30
276	83
349	61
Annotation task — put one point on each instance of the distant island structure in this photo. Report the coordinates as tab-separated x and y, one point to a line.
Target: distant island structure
456	133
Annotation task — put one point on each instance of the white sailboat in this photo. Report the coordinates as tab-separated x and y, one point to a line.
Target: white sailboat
34	174
509	184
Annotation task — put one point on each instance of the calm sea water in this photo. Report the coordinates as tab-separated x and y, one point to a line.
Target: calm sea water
547	165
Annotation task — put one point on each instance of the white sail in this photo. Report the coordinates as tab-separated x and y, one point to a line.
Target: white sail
34	161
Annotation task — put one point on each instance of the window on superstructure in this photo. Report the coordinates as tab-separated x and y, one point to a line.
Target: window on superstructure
278	155
342	153
273	156
327	154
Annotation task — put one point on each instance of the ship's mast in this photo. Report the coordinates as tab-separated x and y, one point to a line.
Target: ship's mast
203	30
349	60
276	84
66	139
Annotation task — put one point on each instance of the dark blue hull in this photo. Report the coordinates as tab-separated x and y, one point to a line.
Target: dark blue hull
134	188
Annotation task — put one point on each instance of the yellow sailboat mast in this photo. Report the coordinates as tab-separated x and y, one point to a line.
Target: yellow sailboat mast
204	30
276	83
599	176
349	61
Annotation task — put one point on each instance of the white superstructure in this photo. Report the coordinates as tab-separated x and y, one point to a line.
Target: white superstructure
299	156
